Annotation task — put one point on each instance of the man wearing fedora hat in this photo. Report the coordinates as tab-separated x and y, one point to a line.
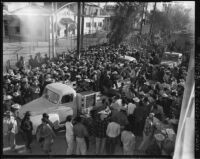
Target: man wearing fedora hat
7	103
27	128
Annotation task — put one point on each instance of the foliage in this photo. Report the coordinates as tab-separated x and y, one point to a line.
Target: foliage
126	15
172	18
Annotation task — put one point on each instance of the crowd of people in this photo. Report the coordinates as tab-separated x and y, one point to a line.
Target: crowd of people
148	107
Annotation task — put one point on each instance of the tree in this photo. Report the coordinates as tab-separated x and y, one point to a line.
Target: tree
126	15
172	18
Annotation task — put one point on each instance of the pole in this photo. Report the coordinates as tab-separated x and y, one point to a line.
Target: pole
78	31
142	18
49	23
56	27
82	24
152	18
52	31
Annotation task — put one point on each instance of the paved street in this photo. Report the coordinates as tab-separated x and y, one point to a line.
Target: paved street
58	148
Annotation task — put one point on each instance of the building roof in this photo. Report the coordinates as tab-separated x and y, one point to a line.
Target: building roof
32	10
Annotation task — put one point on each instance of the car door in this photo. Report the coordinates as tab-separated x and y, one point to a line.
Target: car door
66	106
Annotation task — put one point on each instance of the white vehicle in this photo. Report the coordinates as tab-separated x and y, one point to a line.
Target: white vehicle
59	101
171	59
125	59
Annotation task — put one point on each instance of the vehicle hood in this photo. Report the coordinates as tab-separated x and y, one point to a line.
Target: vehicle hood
36	107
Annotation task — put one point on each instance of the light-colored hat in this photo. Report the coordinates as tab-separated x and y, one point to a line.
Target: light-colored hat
137	100
115	73
78	76
16	106
142	93
147	83
87	80
8	97
8	81
15	94
164	95
159	137
65	68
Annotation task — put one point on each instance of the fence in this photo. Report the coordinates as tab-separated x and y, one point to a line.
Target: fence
13	51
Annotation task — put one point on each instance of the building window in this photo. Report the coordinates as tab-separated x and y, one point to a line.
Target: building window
88	25
96	13
17	30
100	24
95	24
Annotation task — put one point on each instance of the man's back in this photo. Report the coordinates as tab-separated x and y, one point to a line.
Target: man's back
80	130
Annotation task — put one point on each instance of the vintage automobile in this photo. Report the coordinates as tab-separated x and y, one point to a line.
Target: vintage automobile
126	59
58	100
171	59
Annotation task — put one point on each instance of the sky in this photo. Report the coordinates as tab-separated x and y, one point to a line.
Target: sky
187	4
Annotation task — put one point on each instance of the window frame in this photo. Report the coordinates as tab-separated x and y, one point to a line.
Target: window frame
69	101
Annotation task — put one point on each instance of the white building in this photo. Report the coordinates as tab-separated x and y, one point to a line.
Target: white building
66	18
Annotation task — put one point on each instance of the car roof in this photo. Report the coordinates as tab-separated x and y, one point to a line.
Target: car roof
175	53
61	89
129	58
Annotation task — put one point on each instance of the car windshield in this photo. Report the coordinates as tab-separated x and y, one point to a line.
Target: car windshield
170	57
51	96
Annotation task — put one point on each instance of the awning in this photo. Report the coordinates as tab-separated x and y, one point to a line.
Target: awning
66	21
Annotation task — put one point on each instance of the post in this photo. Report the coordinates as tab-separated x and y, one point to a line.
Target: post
142	18
82	24
78	31
152	18
52	30
49	23
56	27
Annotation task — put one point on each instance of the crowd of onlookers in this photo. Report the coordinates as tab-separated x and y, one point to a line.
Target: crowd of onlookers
147	108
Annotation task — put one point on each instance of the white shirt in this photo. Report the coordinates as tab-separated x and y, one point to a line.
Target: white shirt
128	140
131	108
69	129
113	129
10	123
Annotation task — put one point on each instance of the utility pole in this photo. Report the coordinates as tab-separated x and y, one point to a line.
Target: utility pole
154	9
56	27
78	31
82	23
49	36
52	30
142	17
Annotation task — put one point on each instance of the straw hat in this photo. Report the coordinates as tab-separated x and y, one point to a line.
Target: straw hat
78	76
115	73
8	97
159	137
16	106
137	100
